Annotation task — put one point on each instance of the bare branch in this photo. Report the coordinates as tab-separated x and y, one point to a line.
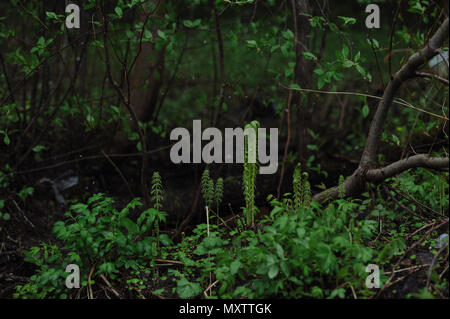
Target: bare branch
354	183
406	72
365	172
432	76
422	160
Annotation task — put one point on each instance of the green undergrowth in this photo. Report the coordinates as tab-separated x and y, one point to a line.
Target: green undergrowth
297	250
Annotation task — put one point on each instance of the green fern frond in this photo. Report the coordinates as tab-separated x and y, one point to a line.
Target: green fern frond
157	195
249	175
305	190
207	188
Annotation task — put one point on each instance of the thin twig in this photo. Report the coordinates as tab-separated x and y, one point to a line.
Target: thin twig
209	288
435	258
114	291
403	103
119	172
432	76
90	293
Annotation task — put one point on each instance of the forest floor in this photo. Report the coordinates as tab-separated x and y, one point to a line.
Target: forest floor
33	224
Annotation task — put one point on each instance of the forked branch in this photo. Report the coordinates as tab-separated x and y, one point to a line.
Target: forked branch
355	183
365	172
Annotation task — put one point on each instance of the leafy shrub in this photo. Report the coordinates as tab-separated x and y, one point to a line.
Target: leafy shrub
95	236
307	252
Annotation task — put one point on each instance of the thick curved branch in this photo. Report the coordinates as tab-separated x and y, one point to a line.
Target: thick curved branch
355	183
406	72
380	174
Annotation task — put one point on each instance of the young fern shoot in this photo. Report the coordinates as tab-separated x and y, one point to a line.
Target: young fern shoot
156	193
301	188
249	175
218	194
306	190
157	197
207	188
297	185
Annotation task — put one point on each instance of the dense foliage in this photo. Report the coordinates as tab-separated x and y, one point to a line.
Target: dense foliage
86	177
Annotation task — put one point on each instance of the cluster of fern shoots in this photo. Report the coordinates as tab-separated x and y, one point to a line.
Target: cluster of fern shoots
212	194
301	188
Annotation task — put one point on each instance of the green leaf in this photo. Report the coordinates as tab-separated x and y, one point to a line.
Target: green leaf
273	271
6	140
41	41
347	20
188	23
38	148
285	50
360	70
312	147
129	225
161	34
252	44
288	34
309	56
186	289
280	250
319	72
365	110
25	192
234	267
321	82
348	63
51	15
345	51
396	139
118	11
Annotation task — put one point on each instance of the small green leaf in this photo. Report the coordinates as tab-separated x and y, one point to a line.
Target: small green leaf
348	63
186	289
365	110
51	15
188	23
38	148
252	44
118	11
6	140
234	267
162	35
129	225
288	34
309	56
273	271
